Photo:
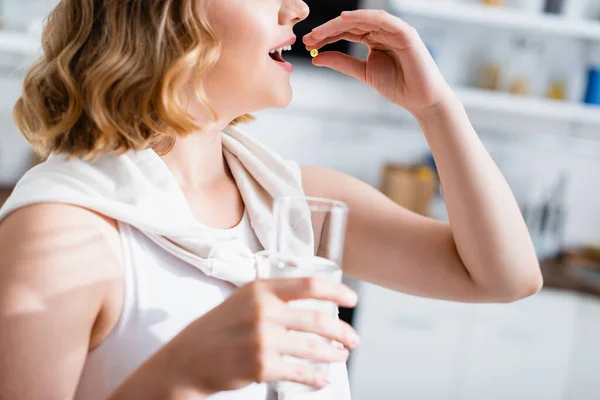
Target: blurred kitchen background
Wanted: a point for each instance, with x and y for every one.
(528, 72)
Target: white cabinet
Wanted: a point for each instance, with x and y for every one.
(544, 347)
(410, 347)
(520, 350)
(584, 374)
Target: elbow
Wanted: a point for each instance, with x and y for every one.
(537, 282)
(529, 287)
(525, 285)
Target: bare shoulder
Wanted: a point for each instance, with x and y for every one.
(58, 251)
(61, 290)
(45, 233)
(31, 219)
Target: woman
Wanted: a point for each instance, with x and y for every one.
(102, 295)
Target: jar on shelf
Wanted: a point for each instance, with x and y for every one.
(529, 6)
(490, 73)
(492, 2)
(564, 64)
(491, 60)
(523, 66)
(557, 89)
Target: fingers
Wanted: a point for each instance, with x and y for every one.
(320, 323)
(301, 373)
(342, 63)
(333, 28)
(376, 19)
(311, 347)
(349, 36)
(379, 25)
(274, 367)
(313, 288)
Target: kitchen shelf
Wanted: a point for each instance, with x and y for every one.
(18, 43)
(346, 99)
(529, 107)
(497, 17)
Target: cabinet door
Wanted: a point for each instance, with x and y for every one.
(409, 347)
(584, 376)
(520, 350)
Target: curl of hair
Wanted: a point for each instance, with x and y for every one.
(111, 74)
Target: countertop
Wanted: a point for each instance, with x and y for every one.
(569, 273)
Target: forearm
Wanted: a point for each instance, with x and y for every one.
(489, 232)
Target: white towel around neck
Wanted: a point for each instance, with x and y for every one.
(138, 188)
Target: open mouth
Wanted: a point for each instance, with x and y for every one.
(276, 54)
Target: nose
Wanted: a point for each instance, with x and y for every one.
(293, 11)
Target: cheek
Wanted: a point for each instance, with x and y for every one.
(245, 48)
(245, 67)
(247, 60)
(246, 30)
(243, 71)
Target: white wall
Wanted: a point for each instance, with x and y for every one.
(14, 152)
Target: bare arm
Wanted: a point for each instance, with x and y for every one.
(59, 267)
(484, 256)
(487, 226)
(61, 288)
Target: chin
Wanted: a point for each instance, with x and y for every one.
(283, 99)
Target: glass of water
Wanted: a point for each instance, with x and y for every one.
(308, 241)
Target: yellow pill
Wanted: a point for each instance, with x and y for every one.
(314, 53)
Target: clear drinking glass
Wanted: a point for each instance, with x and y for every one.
(308, 241)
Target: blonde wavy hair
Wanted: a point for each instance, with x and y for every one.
(111, 76)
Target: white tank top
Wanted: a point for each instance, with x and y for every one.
(163, 295)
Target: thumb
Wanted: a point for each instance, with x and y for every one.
(342, 63)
